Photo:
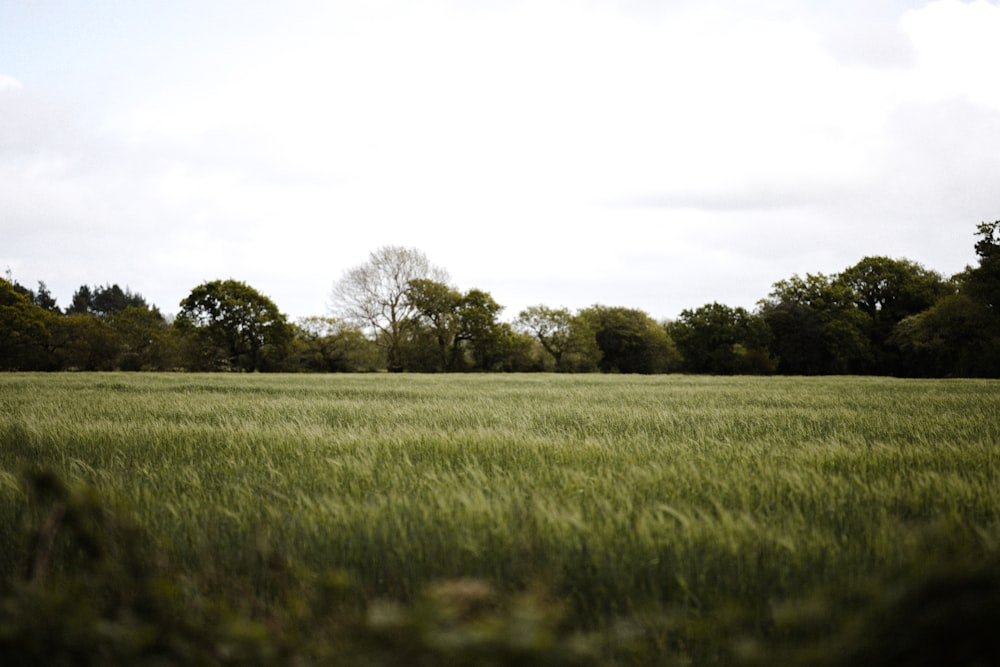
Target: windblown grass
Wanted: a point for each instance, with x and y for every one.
(627, 497)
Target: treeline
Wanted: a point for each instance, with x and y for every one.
(398, 312)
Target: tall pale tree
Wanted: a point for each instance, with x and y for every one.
(374, 295)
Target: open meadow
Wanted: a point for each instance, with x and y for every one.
(602, 519)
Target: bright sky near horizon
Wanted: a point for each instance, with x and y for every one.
(654, 155)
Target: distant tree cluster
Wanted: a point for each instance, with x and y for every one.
(104, 328)
(398, 312)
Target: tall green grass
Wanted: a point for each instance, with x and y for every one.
(625, 496)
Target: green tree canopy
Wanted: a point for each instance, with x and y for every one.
(887, 291)
(983, 282)
(233, 326)
(24, 331)
(105, 300)
(960, 334)
(565, 337)
(464, 328)
(436, 317)
(42, 298)
(957, 336)
(891, 289)
(817, 326)
(327, 345)
(83, 342)
(480, 329)
(722, 340)
(631, 341)
(147, 342)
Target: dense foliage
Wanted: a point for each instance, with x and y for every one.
(397, 311)
(234, 327)
(500, 520)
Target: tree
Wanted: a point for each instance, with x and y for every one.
(957, 336)
(565, 337)
(722, 340)
(960, 334)
(146, 340)
(323, 344)
(42, 298)
(81, 302)
(83, 342)
(478, 327)
(817, 327)
(887, 291)
(436, 317)
(34, 336)
(631, 341)
(464, 327)
(374, 296)
(234, 327)
(891, 289)
(523, 353)
(103, 301)
(983, 282)
(24, 331)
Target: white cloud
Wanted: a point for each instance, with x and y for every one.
(7, 81)
(647, 154)
(957, 49)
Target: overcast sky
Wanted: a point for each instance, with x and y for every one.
(655, 155)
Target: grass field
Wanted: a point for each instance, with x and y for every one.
(679, 519)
